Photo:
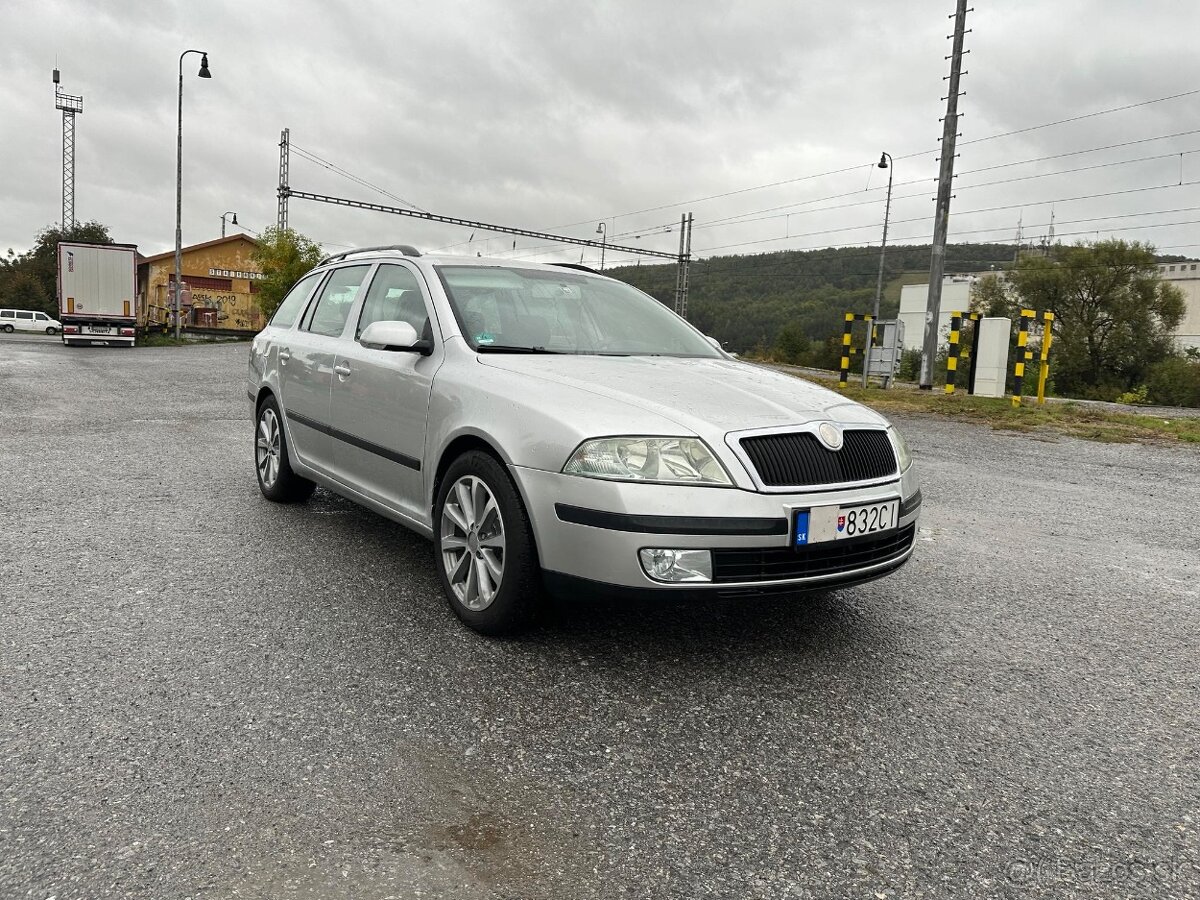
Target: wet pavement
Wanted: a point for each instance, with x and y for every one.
(203, 694)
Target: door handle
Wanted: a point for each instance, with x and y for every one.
(342, 369)
(284, 355)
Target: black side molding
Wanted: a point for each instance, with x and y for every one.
(670, 524)
(347, 438)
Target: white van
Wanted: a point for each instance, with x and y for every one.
(28, 320)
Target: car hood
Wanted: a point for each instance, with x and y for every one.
(708, 397)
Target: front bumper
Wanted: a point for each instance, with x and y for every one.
(589, 531)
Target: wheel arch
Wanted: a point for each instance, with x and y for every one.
(464, 443)
(263, 393)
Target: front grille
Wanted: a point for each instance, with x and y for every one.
(830, 558)
(798, 458)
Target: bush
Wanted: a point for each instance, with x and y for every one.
(1174, 382)
(1137, 397)
(791, 345)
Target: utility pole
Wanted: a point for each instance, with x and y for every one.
(283, 192)
(685, 254)
(941, 221)
(69, 105)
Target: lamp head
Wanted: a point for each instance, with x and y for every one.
(600, 228)
(883, 161)
(235, 221)
(204, 73)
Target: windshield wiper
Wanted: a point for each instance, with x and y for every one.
(506, 348)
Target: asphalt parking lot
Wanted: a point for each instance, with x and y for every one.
(206, 695)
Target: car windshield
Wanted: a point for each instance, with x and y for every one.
(502, 309)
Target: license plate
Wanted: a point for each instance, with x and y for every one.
(837, 523)
(98, 329)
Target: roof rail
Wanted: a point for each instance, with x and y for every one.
(578, 266)
(406, 249)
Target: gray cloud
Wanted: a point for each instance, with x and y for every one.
(542, 114)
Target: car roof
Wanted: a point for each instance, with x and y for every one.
(375, 254)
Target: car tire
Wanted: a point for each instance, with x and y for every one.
(485, 551)
(51, 330)
(272, 459)
(8, 329)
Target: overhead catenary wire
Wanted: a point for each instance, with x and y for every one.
(779, 211)
(989, 209)
(863, 165)
(333, 167)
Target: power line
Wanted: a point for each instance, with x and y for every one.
(1092, 115)
(741, 219)
(324, 163)
(990, 137)
(1023, 162)
(988, 209)
(1122, 162)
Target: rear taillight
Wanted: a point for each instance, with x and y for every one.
(70, 329)
(126, 332)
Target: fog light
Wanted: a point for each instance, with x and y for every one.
(677, 565)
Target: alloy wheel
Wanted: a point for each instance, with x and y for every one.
(472, 543)
(266, 449)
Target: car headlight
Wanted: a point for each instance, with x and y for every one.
(668, 460)
(903, 454)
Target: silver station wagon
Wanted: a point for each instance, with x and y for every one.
(548, 427)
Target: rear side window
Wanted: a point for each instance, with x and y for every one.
(7, 314)
(293, 302)
(332, 308)
(24, 315)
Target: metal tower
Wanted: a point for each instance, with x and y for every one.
(284, 162)
(69, 105)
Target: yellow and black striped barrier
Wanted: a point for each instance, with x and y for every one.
(958, 353)
(952, 351)
(1044, 369)
(1023, 354)
(848, 349)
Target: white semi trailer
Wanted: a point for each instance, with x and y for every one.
(97, 290)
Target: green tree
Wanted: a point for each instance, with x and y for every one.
(990, 296)
(1114, 316)
(22, 290)
(284, 256)
(29, 280)
(792, 343)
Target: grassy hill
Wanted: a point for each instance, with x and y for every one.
(745, 301)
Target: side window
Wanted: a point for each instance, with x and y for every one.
(286, 314)
(24, 315)
(41, 317)
(7, 314)
(394, 296)
(332, 307)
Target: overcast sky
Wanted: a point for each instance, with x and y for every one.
(556, 116)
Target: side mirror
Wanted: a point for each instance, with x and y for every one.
(714, 342)
(391, 335)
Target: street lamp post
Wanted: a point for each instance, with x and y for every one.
(223, 215)
(885, 162)
(602, 230)
(203, 73)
